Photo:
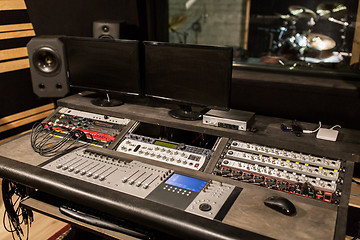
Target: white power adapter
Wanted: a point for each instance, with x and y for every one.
(327, 134)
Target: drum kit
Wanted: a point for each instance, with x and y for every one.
(307, 45)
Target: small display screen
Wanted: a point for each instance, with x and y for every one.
(188, 183)
(165, 144)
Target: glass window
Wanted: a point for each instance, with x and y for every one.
(292, 35)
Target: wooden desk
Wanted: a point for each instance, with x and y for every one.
(314, 220)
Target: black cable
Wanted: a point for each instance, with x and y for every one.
(14, 213)
(45, 141)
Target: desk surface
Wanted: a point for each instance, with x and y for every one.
(314, 220)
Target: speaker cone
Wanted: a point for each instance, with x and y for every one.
(46, 60)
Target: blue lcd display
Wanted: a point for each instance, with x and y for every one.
(185, 182)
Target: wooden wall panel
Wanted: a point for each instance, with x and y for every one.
(13, 53)
(12, 4)
(19, 107)
(355, 58)
(14, 65)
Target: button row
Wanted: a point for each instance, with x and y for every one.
(177, 190)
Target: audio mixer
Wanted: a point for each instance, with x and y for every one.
(201, 197)
(174, 153)
(298, 173)
(100, 130)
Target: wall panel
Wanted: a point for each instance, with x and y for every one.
(16, 96)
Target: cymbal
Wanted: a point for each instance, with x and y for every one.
(285, 16)
(331, 9)
(320, 41)
(176, 21)
(302, 12)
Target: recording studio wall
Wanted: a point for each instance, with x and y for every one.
(16, 91)
(298, 97)
(77, 17)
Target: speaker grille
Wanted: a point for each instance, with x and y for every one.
(46, 60)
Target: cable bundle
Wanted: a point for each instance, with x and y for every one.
(15, 214)
(47, 143)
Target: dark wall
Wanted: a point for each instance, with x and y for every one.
(16, 90)
(75, 18)
(15, 85)
(297, 97)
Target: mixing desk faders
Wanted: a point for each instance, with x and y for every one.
(202, 197)
(302, 174)
(165, 151)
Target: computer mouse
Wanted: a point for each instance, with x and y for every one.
(281, 205)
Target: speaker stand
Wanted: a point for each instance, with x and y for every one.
(106, 101)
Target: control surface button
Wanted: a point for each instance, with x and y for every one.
(205, 207)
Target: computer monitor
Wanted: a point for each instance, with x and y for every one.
(104, 66)
(190, 75)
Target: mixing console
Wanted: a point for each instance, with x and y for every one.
(302, 174)
(202, 197)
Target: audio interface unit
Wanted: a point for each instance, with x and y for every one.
(202, 197)
(232, 119)
(179, 154)
(298, 173)
(98, 130)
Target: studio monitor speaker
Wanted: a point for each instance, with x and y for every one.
(48, 66)
(106, 29)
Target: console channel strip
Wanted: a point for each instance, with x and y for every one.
(174, 153)
(302, 174)
(100, 130)
(202, 197)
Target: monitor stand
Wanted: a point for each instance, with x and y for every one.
(185, 113)
(106, 101)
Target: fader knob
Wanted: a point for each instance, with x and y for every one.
(182, 146)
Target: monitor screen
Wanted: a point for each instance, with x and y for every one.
(104, 65)
(195, 75)
(185, 182)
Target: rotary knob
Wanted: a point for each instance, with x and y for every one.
(205, 207)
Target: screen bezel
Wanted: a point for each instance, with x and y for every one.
(99, 89)
(181, 101)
